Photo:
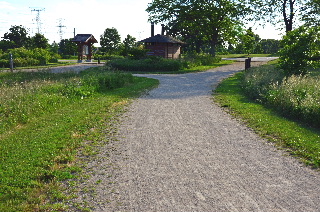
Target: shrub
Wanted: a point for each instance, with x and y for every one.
(23, 57)
(301, 50)
(151, 64)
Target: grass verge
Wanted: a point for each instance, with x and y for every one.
(300, 140)
(245, 55)
(38, 152)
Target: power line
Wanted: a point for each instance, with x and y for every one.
(38, 21)
(60, 28)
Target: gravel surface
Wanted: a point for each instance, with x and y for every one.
(178, 151)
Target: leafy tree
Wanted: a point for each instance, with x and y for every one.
(5, 45)
(18, 35)
(269, 46)
(54, 47)
(301, 50)
(271, 10)
(128, 43)
(66, 47)
(311, 16)
(110, 40)
(249, 41)
(39, 41)
(201, 21)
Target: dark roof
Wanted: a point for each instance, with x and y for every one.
(84, 38)
(161, 39)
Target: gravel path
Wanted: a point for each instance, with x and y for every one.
(178, 151)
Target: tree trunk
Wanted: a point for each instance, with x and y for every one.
(288, 18)
(213, 45)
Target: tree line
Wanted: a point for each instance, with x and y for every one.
(214, 23)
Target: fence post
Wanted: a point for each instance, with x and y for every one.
(247, 63)
(98, 60)
(11, 63)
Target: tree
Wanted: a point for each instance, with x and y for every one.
(271, 10)
(202, 21)
(18, 35)
(110, 40)
(270, 46)
(39, 41)
(301, 50)
(128, 43)
(249, 41)
(5, 45)
(66, 47)
(311, 16)
(54, 47)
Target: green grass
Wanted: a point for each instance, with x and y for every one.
(39, 151)
(245, 55)
(205, 68)
(300, 140)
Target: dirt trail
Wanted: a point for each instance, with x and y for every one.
(178, 151)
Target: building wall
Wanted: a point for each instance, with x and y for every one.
(165, 50)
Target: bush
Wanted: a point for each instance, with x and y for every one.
(151, 64)
(23, 57)
(301, 50)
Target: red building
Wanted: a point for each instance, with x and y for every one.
(163, 46)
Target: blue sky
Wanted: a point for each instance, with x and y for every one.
(87, 17)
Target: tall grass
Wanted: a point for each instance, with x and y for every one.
(24, 96)
(295, 96)
(44, 120)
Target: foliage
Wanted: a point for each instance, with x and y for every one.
(6, 45)
(202, 21)
(151, 64)
(311, 16)
(39, 41)
(110, 40)
(23, 57)
(128, 44)
(66, 47)
(44, 117)
(248, 42)
(18, 35)
(295, 96)
(159, 64)
(269, 46)
(301, 50)
(271, 10)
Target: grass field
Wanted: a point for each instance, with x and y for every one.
(46, 119)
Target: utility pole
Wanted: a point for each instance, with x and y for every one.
(60, 28)
(38, 21)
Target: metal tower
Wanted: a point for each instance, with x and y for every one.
(38, 18)
(60, 28)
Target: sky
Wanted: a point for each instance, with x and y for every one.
(88, 17)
